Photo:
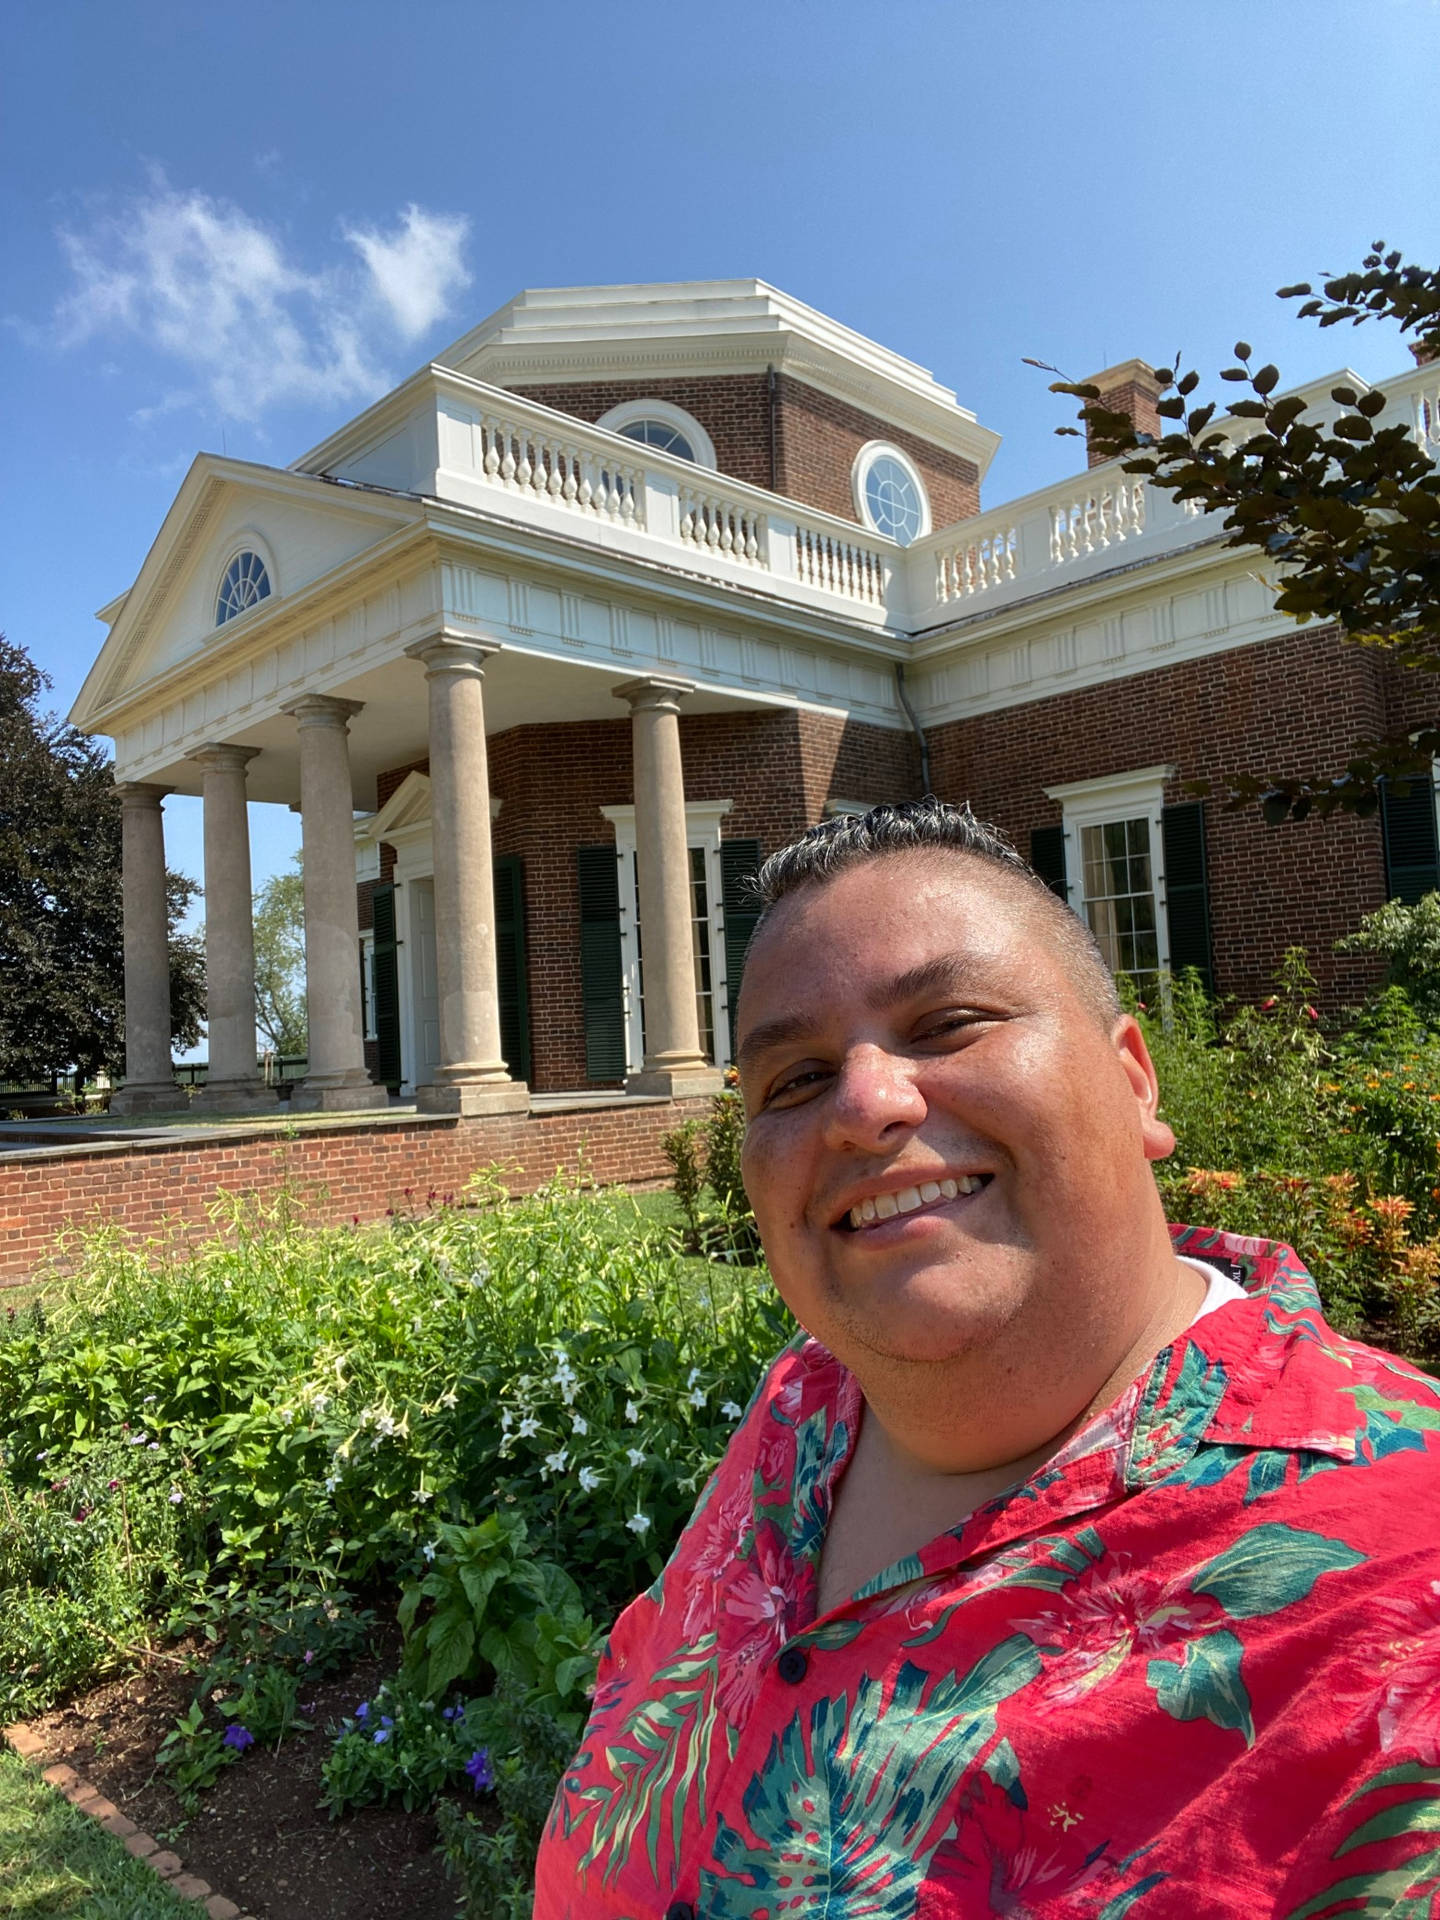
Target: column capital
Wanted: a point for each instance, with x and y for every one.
(220, 757)
(138, 793)
(655, 693)
(322, 710)
(452, 653)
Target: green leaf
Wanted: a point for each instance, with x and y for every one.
(1406, 1816)
(1205, 1684)
(450, 1643)
(1273, 1566)
(1266, 380)
(1242, 349)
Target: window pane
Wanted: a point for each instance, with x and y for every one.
(1120, 905)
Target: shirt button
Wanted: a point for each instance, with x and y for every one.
(679, 1910)
(793, 1664)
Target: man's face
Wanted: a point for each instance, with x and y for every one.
(946, 1147)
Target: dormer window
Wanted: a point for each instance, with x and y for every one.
(245, 585)
(889, 493)
(655, 423)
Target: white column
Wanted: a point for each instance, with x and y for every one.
(233, 1084)
(336, 1080)
(472, 1077)
(149, 1075)
(674, 1064)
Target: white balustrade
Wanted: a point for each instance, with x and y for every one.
(985, 561)
(838, 565)
(1426, 403)
(712, 523)
(1096, 520)
(526, 460)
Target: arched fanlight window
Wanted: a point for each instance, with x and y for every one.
(659, 433)
(246, 583)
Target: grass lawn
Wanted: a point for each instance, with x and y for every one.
(54, 1860)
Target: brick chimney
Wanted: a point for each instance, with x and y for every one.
(1422, 354)
(1132, 389)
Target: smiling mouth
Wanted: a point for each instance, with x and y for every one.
(880, 1207)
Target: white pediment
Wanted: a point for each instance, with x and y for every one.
(303, 529)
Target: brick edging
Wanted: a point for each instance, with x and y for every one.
(141, 1846)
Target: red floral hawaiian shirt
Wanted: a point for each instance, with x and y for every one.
(1190, 1669)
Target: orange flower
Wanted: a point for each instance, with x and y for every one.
(1392, 1209)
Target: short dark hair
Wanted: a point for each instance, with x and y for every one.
(932, 826)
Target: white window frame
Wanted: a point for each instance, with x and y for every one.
(629, 411)
(872, 451)
(1119, 796)
(702, 829)
(245, 540)
(367, 971)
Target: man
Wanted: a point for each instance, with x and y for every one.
(1071, 1566)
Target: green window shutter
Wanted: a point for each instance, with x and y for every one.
(740, 909)
(1412, 859)
(512, 965)
(602, 991)
(1187, 891)
(1047, 857)
(387, 987)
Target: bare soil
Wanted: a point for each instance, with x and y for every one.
(260, 1836)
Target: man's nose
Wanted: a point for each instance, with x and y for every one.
(874, 1094)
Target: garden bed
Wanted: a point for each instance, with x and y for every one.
(260, 1836)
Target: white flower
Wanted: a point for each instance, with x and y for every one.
(148, 1400)
(332, 1481)
(694, 1376)
(697, 1398)
(428, 1549)
(287, 1414)
(176, 1497)
(451, 1399)
(528, 1427)
(632, 1413)
(506, 1420)
(385, 1425)
(578, 1424)
(589, 1479)
(639, 1523)
(731, 1411)
(417, 1325)
(556, 1462)
(479, 1273)
(421, 1495)
(136, 1440)
(635, 1456)
(320, 1403)
(154, 1447)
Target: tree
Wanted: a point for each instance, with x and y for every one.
(280, 962)
(61, 947)
(1348, 512)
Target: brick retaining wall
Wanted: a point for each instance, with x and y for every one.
(338, 1170)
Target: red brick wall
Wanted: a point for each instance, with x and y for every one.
(777, 767)
(1293, 704)
(351, 1170)
(816, 437)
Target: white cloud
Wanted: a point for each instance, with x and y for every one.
(419, 269)
(209, 286)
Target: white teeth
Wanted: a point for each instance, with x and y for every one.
(885, 1206)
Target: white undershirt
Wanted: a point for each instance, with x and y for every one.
(1220, 1289)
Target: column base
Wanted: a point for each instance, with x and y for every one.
(154, 1096)
(676, 1083)
(234, 1096)
(473, 1099)
(360, 1096)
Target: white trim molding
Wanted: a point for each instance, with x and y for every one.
(631, 411)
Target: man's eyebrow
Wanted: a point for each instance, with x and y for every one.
(943, 975)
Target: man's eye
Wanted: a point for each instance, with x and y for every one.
(792, 1085)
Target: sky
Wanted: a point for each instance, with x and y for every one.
(229, 229)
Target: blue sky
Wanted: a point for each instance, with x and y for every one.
(230, 228)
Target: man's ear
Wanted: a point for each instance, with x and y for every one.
(1129, 1042)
